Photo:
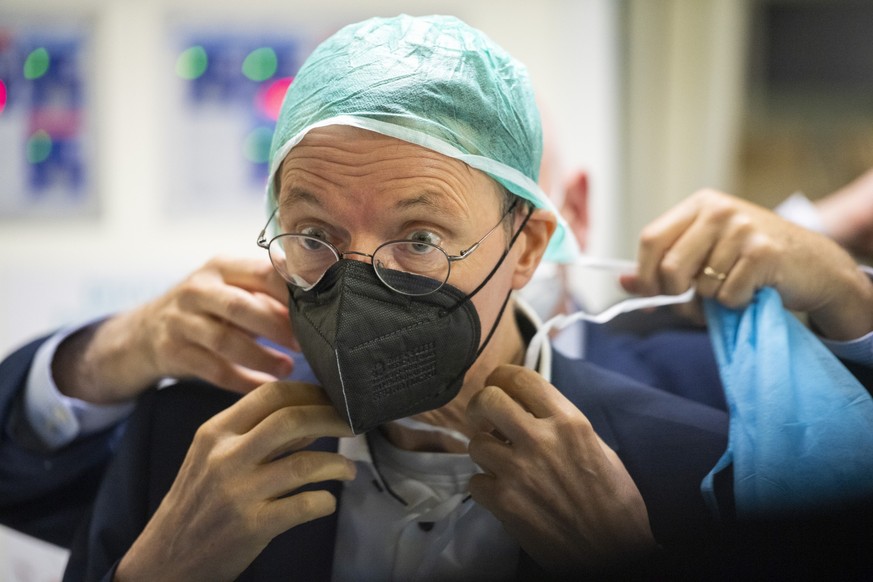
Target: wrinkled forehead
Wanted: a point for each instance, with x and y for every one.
(343, 158)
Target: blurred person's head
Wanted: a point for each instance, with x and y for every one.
(553, 289)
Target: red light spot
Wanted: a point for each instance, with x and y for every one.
(270, 96)
(2, 95)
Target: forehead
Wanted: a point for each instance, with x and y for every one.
(356, 163)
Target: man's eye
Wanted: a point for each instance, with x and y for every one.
(423, 236)
(313, 233)
(312, 244)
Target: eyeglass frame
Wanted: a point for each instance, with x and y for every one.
(340, 255)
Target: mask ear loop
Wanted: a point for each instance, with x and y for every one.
(488, 278)
(482, 284)
(562, 321)
(496, 267)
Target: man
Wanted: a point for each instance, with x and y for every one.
(394, 215)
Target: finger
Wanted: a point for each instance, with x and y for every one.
(265, 400)
(655, 240)
(193, 360)
(489, 452)
(740, 285)
(493, 406)
(284, 329)
(685, 259)
(258, 315)
(529, 389)
(283, 427)
(287, 474)
(631, 283)
(252, 274)
(282, 514)
(236, 346)
(720, 262)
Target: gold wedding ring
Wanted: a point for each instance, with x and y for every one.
(710, 272)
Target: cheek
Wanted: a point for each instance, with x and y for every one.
(491, 297)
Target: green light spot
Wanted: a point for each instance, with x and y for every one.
(256, 147)
(36, 64)
(261, 64)
(192, 63)
(39, 147)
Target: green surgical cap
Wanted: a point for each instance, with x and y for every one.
(432, 81)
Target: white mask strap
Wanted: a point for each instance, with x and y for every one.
(631, 304)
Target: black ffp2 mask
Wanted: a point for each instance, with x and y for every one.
(381, 355)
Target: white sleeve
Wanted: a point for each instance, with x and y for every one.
(859, 351)
(59, 419)
(801, 211)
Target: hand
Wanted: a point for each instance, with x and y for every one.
(229, 499)
(559, 490)
(206, 327)
(847, 215)
(743, 248)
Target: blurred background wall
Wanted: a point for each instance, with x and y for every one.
(166, 180)
(132, 132)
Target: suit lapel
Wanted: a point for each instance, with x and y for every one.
(566, 376)
(304, 552)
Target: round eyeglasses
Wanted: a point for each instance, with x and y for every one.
(409, 267)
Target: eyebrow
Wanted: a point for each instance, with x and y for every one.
(427, 200)
(298, 196)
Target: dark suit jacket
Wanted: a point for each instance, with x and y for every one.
(44, 494)
(48, 494)
(666, 442)
(676, 359)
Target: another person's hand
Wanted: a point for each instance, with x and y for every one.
(729, 248)
(558, 489)
(230, 497)
(206, 327)
(847, 215)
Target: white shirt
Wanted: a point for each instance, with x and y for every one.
(413, 519)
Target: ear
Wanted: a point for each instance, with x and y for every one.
(532, 243)
(575, 208)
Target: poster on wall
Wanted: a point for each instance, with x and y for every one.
(46, 140)
(228, 89)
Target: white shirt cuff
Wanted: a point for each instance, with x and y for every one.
(859, 351)
(59, 419)
(801, 211)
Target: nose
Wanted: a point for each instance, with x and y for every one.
(359, 241)
(358, 256)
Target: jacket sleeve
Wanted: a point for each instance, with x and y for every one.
(44, 494)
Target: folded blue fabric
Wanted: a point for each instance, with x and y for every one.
(801, 426)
